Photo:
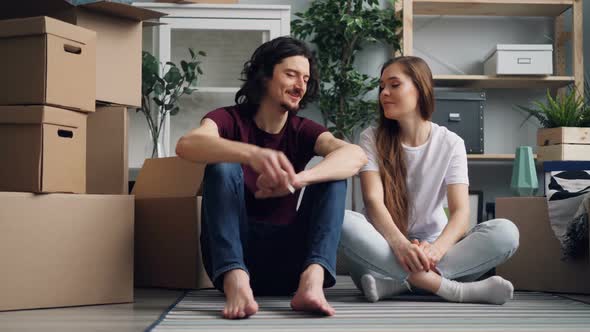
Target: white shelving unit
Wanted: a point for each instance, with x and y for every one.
(544, 8)
(228, 34)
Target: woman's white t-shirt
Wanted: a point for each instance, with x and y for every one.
(441, 161)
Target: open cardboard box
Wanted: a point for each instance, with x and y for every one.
(537, 264)
(168, 224)
(43, 149)
(61, 250)
(118, 46)
(47, 61)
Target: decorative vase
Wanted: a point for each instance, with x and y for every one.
(152, 150)
(524, 174)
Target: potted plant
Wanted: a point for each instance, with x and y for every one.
(340, 29)
(161, 88)
(565, 122)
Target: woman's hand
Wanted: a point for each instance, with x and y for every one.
(433, 253)
(411, 256)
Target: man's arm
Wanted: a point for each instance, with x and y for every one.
(341, 160)
(204, 145)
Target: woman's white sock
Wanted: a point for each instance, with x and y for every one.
(493, 290)
(380, 288)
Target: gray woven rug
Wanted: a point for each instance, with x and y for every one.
(528, 311)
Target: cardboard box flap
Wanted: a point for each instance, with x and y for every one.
(123, 10)
(168, 177)
(44, 25)
(27, 8)
(38, 114)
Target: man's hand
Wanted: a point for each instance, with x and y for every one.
(274, 166)
(266, 190)
(433, 253)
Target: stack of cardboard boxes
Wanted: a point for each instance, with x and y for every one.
(66, 219)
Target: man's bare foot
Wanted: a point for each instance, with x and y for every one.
(239, 300)
(310, 293)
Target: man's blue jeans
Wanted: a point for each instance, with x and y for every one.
(273, 255)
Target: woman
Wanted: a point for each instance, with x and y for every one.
(408, 241)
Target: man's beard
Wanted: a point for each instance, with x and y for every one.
(289, 108)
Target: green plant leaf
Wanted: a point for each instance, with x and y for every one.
(158, 101)
(164, 92)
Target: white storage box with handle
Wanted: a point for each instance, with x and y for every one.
(518, 59)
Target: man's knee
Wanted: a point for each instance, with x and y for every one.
(335, 188)
(222, 171)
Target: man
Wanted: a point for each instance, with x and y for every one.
(253, 239)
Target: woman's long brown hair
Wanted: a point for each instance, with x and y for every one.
(392, 163)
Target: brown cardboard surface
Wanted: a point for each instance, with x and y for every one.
(537, 264)
(43, 152)
(169, 177)
(63, 250)
(118, 46)
(118, 56)
(107, 166)
(46, 61)
(168, 252)
(168, 218)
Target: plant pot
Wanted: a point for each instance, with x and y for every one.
(563, 143)
(563, 135)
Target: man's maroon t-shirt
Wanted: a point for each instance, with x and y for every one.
(296, 140)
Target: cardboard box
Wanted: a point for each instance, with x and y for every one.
(118, 46)
(61, 250)
(168, 225)
(43, 149)
(520, 59)
(47, 61)
(537, 264)
(107, 169)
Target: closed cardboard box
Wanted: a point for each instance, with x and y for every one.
(118, 47)
(107, 166)
(168, 224)
(520, 59)
(537, 264)
(61, 250)
(47, 61)
(43, 149)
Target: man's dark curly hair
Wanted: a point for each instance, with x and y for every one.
(260, 68)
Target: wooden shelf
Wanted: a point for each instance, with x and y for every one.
(492, 7)
(492, 157)
(500, 82)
